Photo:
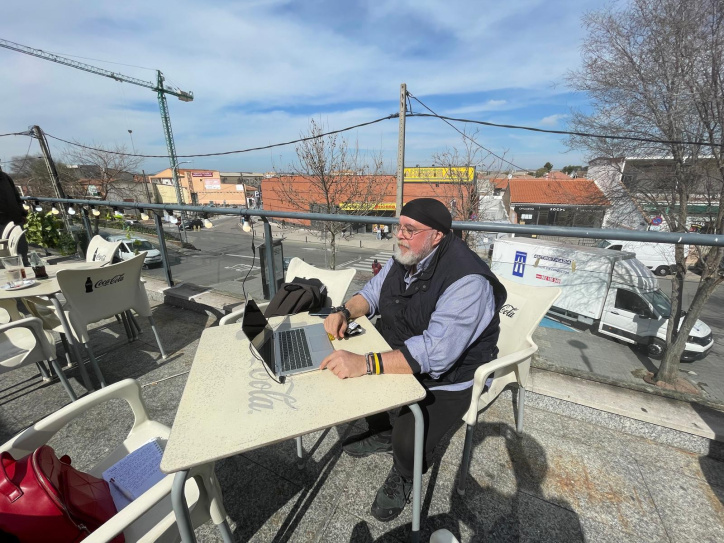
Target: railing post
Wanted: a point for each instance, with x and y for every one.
(86, 223)
(269, 248)
(162, 248)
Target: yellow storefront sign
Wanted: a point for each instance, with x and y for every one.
(440, 175)
(355, 206)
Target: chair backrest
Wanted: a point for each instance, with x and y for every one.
(336, 281)
(14, 238)
(101, 250)
(99, 293)
(9, 311)
(524, 308)
(6, 231)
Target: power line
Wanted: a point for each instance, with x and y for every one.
(463, 134)
(569, 133)
(308, 138)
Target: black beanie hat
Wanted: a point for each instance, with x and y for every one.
(429, 212)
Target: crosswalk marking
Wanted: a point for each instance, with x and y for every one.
(365, 265)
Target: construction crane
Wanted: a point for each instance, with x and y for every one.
(161, 89)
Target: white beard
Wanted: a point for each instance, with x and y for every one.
(411, 258)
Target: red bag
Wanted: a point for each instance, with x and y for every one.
(43, 498)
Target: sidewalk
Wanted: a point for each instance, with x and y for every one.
(576, 474)
(366, 240)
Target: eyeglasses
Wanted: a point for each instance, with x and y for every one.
(407, 232)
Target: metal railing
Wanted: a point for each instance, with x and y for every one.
(689, 238)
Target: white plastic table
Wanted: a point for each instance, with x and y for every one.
(228, 384)
(49, 287)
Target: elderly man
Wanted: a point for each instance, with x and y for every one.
(438, 304)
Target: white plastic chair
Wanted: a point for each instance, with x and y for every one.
(16, 235)
(24, 342)
(101, 250)
(336, 281)
(150, 517)
(6, 231)
(524, 308)
(108, 296)
(9, 311)
(443, 536)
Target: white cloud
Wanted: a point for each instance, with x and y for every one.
(552, 120)
(490, 105)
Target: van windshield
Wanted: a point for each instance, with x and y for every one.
(603, 244)
(660, 301)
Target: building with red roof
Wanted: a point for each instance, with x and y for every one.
(559, 202)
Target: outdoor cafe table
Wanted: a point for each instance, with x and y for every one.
(230, 406)
(49, 287)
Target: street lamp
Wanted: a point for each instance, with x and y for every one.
(130, 133)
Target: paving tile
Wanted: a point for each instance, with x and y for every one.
(344, 526)
(701, 519)
(266, 507)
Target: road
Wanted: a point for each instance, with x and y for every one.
(225, 257)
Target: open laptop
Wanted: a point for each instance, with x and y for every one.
(289, 349)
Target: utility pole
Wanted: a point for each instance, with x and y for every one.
(54, 179)
(401, 149)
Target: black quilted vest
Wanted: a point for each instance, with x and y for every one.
(406, 312)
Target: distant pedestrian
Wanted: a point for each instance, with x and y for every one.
(377, 230)
(376, 267)
(385, 232)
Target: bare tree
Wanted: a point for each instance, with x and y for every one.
(32, 173)
(653, 70)
(462, 190)
(109, 169)
(332, 177)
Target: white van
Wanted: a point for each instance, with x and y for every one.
(610, 292)
(658, 257)
(130, 247)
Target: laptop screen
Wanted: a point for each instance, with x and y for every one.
(260, 334)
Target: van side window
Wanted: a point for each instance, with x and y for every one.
(615, 247)
(630, 301)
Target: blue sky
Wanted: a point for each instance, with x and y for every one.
(260, 69)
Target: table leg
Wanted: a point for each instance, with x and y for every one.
(417, 472)
(180, 508)
(73, 344)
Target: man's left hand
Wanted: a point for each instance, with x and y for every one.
(345, 364)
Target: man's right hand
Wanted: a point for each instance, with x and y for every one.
(336, 325)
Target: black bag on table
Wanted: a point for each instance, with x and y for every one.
(297, 296)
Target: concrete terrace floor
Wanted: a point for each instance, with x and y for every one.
(576, 474)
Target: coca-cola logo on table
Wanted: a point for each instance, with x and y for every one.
(508, 310)
(102, 282)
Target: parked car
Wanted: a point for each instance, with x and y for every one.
(132, 246)
(190, 224)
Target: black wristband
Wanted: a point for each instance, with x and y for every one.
(344, 311)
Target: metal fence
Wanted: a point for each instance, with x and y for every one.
(583, 235)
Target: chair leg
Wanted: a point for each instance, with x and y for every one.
(43, 371)
(66, 348)
(63, 379)
(158, 339)
(465, 464)
(300, 453)
(521, 407)
(134, 322)
(94, 363)
(129, 335)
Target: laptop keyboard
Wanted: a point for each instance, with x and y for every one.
(294, 349)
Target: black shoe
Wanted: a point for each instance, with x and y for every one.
(368, 443)
(391, 497)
